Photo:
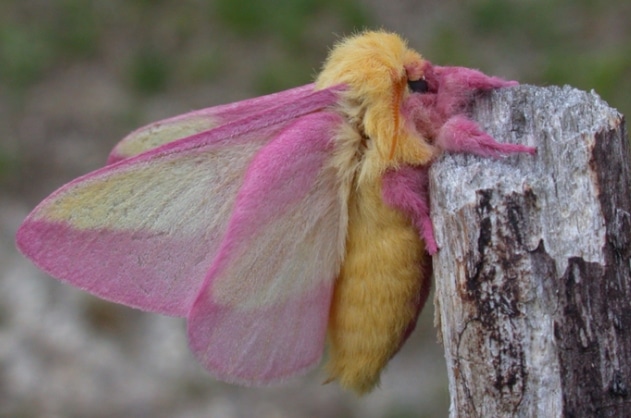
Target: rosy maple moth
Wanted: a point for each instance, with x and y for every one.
(277, 223)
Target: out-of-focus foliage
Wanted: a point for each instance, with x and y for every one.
(585, 43)
(287, 20)
(35, 38)
(293, 25)
(159, 45)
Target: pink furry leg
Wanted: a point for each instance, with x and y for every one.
(460, 134)
(406, 189)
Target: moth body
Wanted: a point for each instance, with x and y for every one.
(377, 293)
(280, 222)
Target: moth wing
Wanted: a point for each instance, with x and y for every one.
(144, 231)
(178, 127)
(261, 315)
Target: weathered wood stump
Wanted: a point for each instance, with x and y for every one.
(533, 276)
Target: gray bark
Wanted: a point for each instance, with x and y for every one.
(533, 278)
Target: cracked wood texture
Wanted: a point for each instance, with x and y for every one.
(533, 287)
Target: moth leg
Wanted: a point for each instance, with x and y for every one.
(407, 189)
(460, 134)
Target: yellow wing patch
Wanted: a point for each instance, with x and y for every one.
(163, 132)
(157, 195)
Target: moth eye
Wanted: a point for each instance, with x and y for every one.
(418, 86)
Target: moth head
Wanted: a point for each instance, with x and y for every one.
(379, 72)
(373, 66)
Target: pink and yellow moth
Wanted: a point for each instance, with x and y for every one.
(277, 223)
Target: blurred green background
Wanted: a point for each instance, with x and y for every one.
(76, 76)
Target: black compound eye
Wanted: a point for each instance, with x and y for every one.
(418, 86)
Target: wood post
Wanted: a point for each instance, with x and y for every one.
(533, 275)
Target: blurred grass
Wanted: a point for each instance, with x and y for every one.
(25, 55)
(286, 20)
(149, 71)
(31, 45)
(558, 41)
(158, 34)
(8, 164)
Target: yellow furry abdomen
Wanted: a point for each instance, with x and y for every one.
(376, 294)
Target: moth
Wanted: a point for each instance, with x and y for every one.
(277, 223)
